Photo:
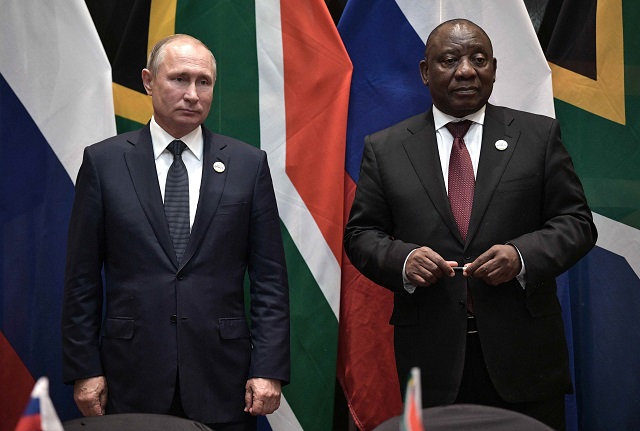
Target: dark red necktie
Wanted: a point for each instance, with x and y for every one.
(462, 182)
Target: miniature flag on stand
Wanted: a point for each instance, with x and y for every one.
(40, 415)
(412, 417)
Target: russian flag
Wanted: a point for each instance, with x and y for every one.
(55, 99)
(40, 415)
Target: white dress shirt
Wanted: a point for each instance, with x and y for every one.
(191, 156)
(473, 142)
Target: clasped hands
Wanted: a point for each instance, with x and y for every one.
(497, 265)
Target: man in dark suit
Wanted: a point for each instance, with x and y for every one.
(491, 333)
(174, 337)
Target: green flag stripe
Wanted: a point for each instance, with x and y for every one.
(314, 331)
(606, 158)
(228, 29)
(126, 125)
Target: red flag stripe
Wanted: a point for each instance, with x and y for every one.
(16, 383)
(316, 103)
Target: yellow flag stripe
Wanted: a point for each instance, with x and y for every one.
(162, 21)
(130, 104)
(605, 95)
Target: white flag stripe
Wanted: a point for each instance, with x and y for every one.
(284, 419)
(294, 213)
(620, 239)
(49, 420)
(55, 63)
(523, 77)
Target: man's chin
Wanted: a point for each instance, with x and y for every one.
(190, 118)
(466, 107)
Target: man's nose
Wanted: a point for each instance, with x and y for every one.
(191, 92)
(465, 69)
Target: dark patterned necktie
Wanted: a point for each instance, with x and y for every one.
(176, 199)
(462, 182)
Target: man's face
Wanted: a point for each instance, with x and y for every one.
(182, 89)
(459, 69)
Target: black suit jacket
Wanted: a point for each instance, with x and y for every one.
(160, 317)
(527, 195)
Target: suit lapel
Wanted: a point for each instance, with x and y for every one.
(498, 125)
(142, 169)
(422, 150)
(211, 188)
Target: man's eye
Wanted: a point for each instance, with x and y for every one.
(449, 61)
(480, 60)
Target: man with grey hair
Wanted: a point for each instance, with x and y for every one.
(174, 216)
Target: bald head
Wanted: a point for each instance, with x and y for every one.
(158, 52)
(452, 24)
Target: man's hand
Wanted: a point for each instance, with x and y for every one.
(90, 395)
(262, 396)
(425, 267)
(497, 265)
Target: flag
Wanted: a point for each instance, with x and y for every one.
(39, 415)
(594, 54)
(412, 416)
(385, 40)
(283, 85)
(304, 80)
(55, 98)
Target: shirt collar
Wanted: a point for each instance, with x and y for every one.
(160, 139)
(440, 119)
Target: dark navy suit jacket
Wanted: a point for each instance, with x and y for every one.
(159, 316)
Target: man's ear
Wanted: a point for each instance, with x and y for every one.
(147, 81)
(423, 72)
(495, 68)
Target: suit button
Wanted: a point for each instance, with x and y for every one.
(173, 318)
(180, 276)
(461, 304)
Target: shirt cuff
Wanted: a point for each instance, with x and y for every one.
(410, 288)
(521, 276)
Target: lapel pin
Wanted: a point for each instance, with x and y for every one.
(501, 145)
(219, 167)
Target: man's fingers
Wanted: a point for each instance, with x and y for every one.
(260, 406)
(425, 267)
(262, 396)
(248, 399)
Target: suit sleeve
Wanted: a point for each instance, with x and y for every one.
(82, 301)
(368, 244)
(568, 231)
(269, 289)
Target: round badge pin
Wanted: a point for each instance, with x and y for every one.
(218, 167)
(501, 145)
